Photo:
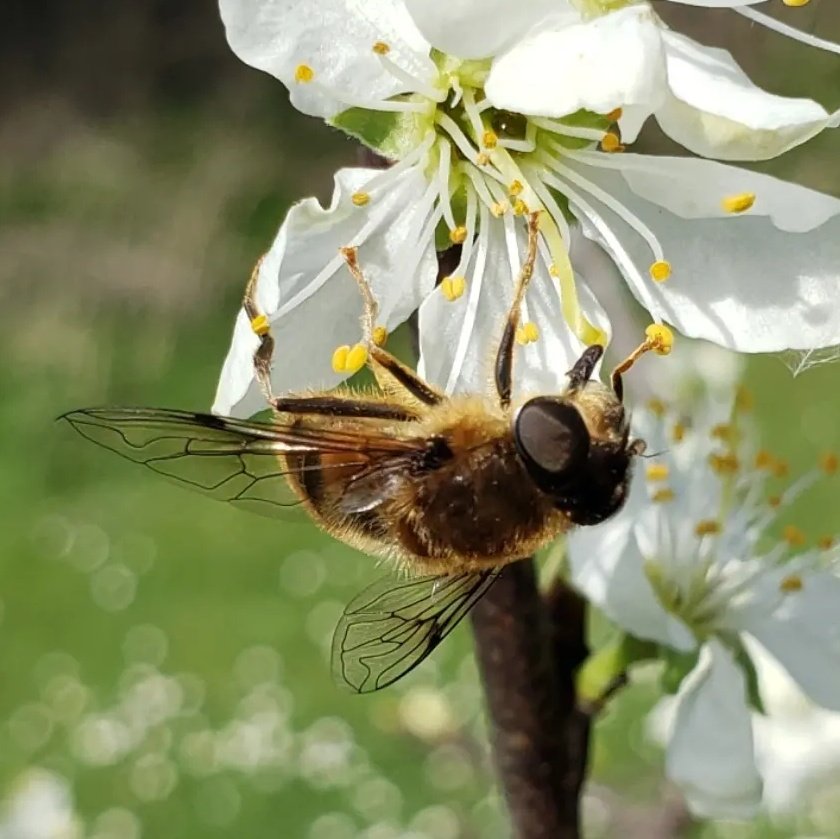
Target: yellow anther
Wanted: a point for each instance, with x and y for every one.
(611, 142)
(260, 325)
(346, 359)
(744, 400)
(489, 140)
(825, 543)
(360, 198)
(553, 270)
(453, 287)
(793, 536)
(380, 336)
(829, 463)
(520, 208)
(482, 159)
(614, 115)
(764, 460)
(738, 203)
(660, 337)
(458, 235)
(657, 472)
(356, 358)
(499, 208)
(304, 74)
(515, 188)
(724, 464)
(662, 496)
(678, 432)
(381, 48)
(775, 501)
(527, 333)
(796, 3)
(660, 270)
(657, 407)
(339, 358)
(791, 584)
(781, 468)
(724, 431)
(707, 527)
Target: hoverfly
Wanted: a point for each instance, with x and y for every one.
(451, 488)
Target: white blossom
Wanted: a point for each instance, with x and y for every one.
(487, 122)
(690, 564)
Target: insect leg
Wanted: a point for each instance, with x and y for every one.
(262, 329)
(387, 369)
(658, 340)
(342, 406)
(504, 355)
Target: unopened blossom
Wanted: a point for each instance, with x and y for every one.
(695, 564)
(485, 123)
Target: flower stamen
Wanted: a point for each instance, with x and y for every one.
(453, 287)
(738, 203)
(657, 472)
(347, 359)
(304, 74)
(527, 333)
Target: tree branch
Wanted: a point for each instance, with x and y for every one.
(528, 650)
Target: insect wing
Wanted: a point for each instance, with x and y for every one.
(393, 625)
(228, 459)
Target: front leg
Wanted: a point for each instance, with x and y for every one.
(504, 355)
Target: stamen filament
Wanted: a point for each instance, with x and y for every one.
(458, 137)
(578, 132)
(479, 184)
(473, 115)
(617, 249)
(469, 240)
(556, 233)
(444, 150)
(473, 297)
(517, 145)
(609, 201)
(412, 82)
(413, 157)
(788, 30)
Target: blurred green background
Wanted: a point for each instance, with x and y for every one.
(163, 659)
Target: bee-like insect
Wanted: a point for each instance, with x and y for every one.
(452, 488)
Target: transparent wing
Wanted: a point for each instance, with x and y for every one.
(393, 625)
(232, 460)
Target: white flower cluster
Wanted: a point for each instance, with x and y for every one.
(690, 564)
(491, 110)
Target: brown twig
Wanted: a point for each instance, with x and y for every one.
(528, 650)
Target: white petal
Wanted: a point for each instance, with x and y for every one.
(608, 568)
(458, 339)
(739, 281)
(468, 29)
(611, 61)
(313, 310)
(335, 40)
(803, 634)
(540, 367)
(716, 111)
(710, 755)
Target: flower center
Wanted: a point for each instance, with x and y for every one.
(482, 162)
(596, 8)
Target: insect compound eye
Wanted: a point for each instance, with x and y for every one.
(552, 439)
